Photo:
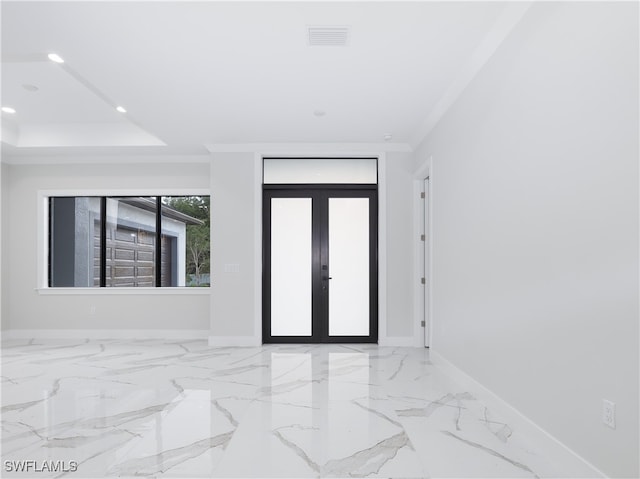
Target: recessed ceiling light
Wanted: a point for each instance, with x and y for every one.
(319, 113)
(54, 57)
(8, 109)
(121, 109)
(29, 87)
(388, 137)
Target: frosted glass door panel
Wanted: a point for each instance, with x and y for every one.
(349, 266)
(291, 266)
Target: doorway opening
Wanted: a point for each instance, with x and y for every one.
(320, 262)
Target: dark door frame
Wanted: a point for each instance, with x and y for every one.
(320, 194)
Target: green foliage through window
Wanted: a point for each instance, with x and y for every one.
(198, 253)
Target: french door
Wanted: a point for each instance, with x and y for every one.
(320, 249)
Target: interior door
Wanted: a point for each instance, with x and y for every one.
(426, 265)
(320, 264)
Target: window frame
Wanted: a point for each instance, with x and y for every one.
(43, 244)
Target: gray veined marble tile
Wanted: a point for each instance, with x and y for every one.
(80, 440)
(156, 359)
(113, 356)
(285, 403)
(368, 461)
(500, 429)
(287, 387)
(351, 347)
(21, 344)
(64, 358)
(246, 358)
(433, 406)
(347, 359)
(362, 463)
(158, 408)
(132, 369)
(379, 414)
(115, 420)
(177, 386)
(491, 452)
(292, 369)
(20, 406)
(28, 404)
(184, 344)
(345, 370)
(397, 371)
(239, 370)
(50, 348)
(9, 431)
(101, 381)
(213, 383)
(297, 450)
(166, 460)
(226, 412)
(195, 356)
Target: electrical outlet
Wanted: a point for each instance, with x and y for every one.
(92, 310)
(609, 413)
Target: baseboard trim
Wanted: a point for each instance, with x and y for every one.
(556, 451)
(105, 334)
(237, 341)
(400, 342)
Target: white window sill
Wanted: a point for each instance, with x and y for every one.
(125, 291)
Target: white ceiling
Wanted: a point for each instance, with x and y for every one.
(192, 74)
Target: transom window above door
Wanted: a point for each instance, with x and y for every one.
(334, 171)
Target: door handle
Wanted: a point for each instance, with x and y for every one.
(326, 278)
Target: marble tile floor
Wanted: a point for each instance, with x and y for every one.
(154, 408)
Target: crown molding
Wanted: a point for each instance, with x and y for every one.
(93, 155)
(510, 17)
(309, 148)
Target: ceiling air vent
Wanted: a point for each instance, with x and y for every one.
(328, 36)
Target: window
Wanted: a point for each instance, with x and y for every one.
(129, 241)
(320, 170)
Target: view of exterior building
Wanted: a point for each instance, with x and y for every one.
(75, 243)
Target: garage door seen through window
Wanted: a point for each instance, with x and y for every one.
(129, 241)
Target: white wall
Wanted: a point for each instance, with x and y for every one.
(400, 242)
(233, 231)
(235, 302)
(236, 223)
(3, 272)
(25, 308)
(535, 226)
